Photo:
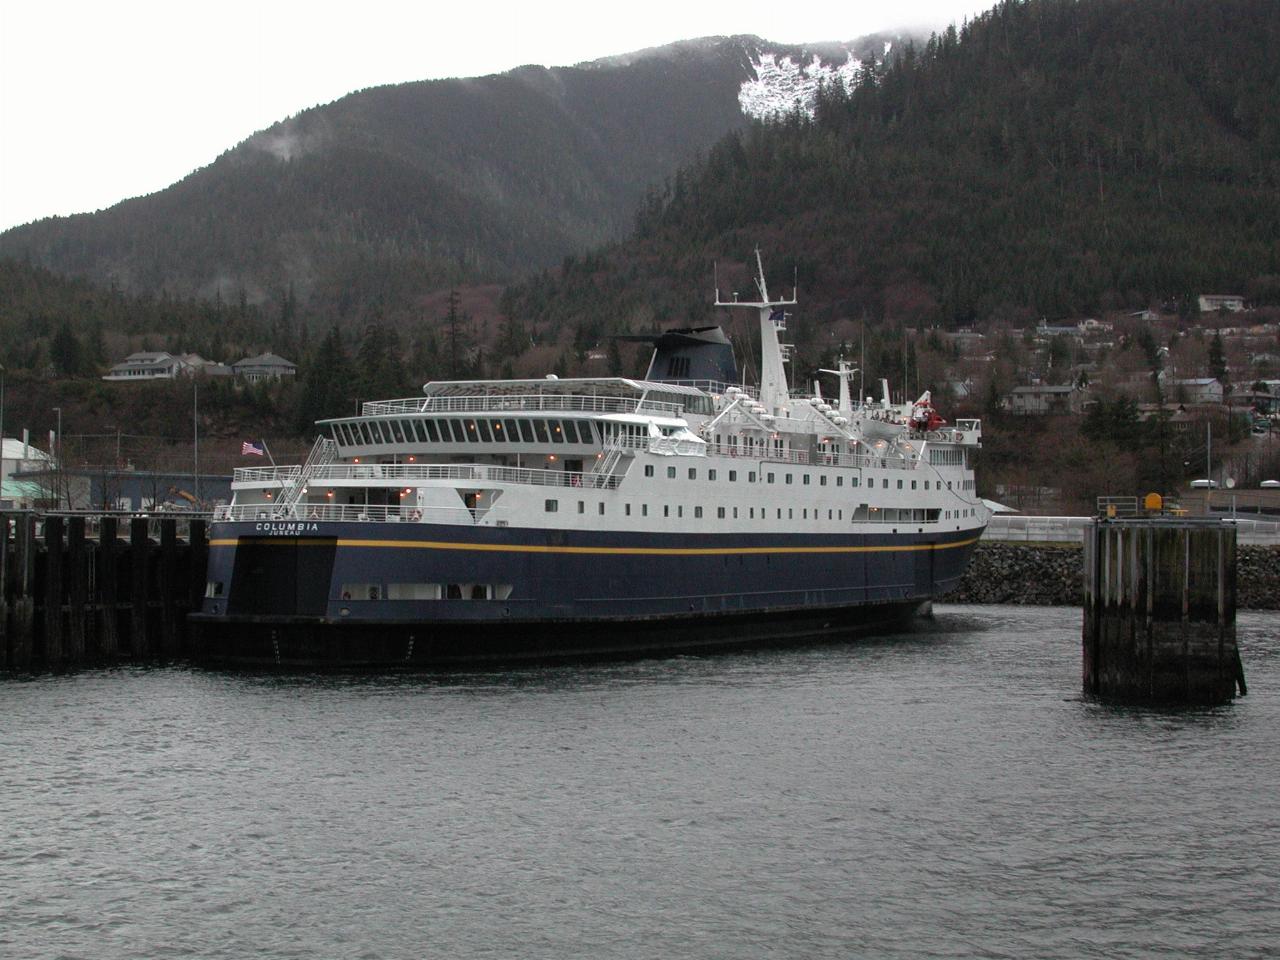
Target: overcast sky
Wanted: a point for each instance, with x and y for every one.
(101, 100)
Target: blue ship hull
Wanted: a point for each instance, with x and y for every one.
(342, 594)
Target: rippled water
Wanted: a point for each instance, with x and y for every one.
(944, 793)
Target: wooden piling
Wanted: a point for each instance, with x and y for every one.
(77, 589)
(1159, 616)
(139, 560)
(6, 655)
(108, 631)
(54, 653)
(23, 615)
(169, 598)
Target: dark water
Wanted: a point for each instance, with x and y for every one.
(940, 794)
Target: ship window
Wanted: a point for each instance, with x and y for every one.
(931, 516)
(666, 510)
(648, 469)
(899, 484)
(735, 513)
(788, 478)
(751, 477)
(769, 478)
(387, 435)
(361, 591)
(472, 434)
(453, 591)
(751, 513)
(479, 591)
(853, 481)
(791, 514)
(644, 509)
(711, 474)
(582, 506)
(601, 506)
(429, 429)
(459, 431)
(557, 431)
(693, 473)
(806, 479)
(805, 516)
(697, 513)
(839, 481)
(720, 513)
(551, 506)
(213, 588)
(822, 480)
(486, 434)
(627, 509)
(733, 476)
(401, 435)
(671, 473)
(540, 431)
(512, 431)
(413, 591)
(913, 484)
(366, 434)
(586, 431)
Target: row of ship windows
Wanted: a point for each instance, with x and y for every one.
(805, 480)
(367, 433)
(425, 591)
(404, 591)
(862, 514)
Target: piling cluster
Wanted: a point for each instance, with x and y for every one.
(78, 589)
(1159, 612)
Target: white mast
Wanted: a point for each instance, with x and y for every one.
(774, 389)
(845, 373)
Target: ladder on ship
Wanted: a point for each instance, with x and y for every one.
(603, 470)
(323, 453)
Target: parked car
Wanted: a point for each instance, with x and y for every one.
(1270, 484)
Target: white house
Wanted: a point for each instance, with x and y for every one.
(1042, 398)
(1213, 302)
(19, 456)
(1196, 390)
(147, 365)
(266, 366)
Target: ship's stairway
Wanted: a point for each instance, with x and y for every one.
(323, 452)
(604, 467)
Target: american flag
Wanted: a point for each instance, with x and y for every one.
(251, 449)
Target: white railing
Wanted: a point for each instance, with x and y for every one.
(472, 472)
(1071, 529)
(1037, 529)
(351, 512)
(558, 402)
(802, 458)
(266, 474)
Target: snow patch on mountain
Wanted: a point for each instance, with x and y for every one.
(783, 85)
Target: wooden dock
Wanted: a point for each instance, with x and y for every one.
(86, 589)
(1160, 611)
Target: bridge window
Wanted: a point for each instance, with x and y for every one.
(551, 506)
(671, 473)
(540, 431)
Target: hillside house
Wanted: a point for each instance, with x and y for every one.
(1195, 390)
(1042, 399)
(266, 366)
(1213, 302)
(147, 365)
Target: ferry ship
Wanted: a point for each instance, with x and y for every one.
(511, 519)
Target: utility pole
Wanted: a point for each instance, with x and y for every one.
(57, 451)
(195, 433)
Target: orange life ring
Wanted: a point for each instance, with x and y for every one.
(415, 515)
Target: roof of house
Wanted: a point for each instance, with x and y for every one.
(264, 360)
(1046, 388)
(12, 450)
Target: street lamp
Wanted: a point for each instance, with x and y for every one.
(58, 455)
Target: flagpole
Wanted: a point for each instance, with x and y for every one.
(268, 449)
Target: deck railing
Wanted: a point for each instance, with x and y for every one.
(557, 402)
(353, 513)
(473, 472)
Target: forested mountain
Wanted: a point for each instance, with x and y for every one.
(1053, 157)
(368, 201)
